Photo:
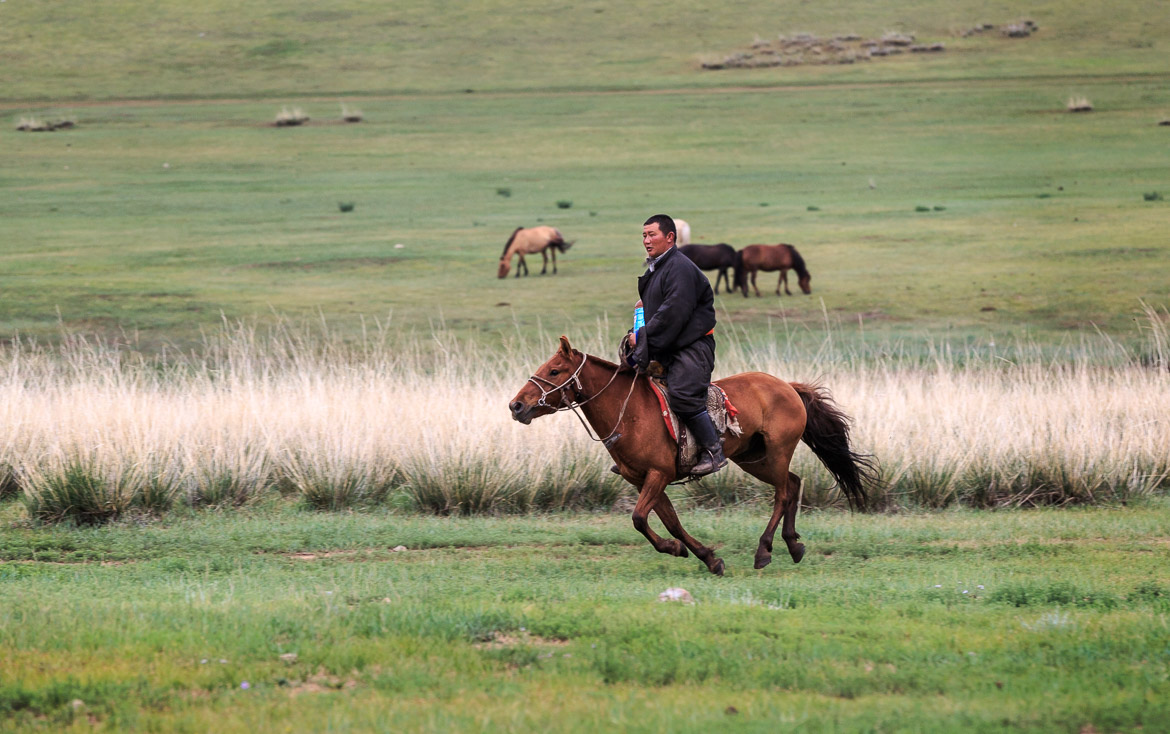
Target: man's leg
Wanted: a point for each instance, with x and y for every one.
(711, 458)
(689, 376)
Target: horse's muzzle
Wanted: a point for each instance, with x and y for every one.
(520, 412)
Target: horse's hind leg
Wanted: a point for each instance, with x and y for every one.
(666, 513)
(754, 286)
(786, 505)
(652, 492)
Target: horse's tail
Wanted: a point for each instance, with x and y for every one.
(559, 241)
(509, 242)
(798, 263)
(826, 432)
(740, 276)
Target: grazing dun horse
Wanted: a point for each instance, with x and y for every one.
(529, 241)
(774, 416)
(770, 258)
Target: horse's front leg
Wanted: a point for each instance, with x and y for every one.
(665, 511)
(653, 490)
(784, 280)
(553, 252)
(544, 257)
(520, 265)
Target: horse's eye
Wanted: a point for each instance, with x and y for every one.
(554, 373)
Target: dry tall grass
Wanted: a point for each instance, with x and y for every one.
(94, 431)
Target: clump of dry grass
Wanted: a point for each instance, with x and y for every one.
(1079, 104)
(290, 118)
(36, 125)
(95, 432)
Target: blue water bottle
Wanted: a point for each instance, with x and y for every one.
(639, 318)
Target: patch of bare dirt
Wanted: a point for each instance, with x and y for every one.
(503, 639)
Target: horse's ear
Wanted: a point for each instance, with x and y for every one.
(565, 348)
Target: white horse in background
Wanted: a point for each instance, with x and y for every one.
(682, 232)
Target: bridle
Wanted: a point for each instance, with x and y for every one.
(580, 399)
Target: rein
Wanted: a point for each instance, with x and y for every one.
(578, 399)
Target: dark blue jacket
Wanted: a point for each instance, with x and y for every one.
(679, 308)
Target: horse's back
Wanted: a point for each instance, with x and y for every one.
(765, 402)
(767, 257)
(710, 256)
(531, 240)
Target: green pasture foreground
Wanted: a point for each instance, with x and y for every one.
(271, 619)
(936, 197)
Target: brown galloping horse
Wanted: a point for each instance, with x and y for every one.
(774, 416)
(529, 241)
(770, 258)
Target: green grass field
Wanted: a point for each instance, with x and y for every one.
(157, 217)
(945, 203)
(1050, 620)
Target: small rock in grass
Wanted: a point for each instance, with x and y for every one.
(675, 594)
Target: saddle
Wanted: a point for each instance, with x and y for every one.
(719, 407)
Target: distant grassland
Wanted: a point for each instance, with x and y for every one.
(152, 220)
(359, 47)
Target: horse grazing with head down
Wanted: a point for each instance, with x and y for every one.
(773, 415)
(529, 241)
(770, 258)
(719, 257)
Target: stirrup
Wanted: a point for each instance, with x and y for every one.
(711, 463)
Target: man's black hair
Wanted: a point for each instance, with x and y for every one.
(665, 224)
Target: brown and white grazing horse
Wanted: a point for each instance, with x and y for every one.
(770, 258)
(529, 241)
(773, 415)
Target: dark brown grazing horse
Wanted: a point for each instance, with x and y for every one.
(774, 416)
(719, 257)
(770, 258)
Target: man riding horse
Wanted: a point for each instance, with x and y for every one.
(679, 334)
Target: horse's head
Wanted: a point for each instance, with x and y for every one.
(505, 266)
(553, 384)
(805, 283)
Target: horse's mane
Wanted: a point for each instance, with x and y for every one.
(509, 242)
(607, 364)
(798, 262)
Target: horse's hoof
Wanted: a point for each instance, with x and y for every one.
(680, 550)
(797, 552)
(763, 559)
(717, 567)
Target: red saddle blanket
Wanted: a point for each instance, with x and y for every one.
(671, 421)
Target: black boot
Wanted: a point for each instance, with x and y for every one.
(711, 458)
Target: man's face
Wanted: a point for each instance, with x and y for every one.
(654, 241)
